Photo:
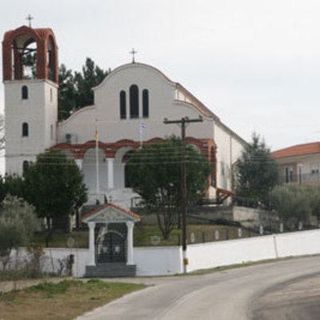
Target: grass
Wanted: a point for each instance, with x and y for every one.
(14, 275)
(60, 301)
(144, 233)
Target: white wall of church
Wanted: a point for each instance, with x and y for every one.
(81, 125)
(162, 104)
(89, 170)
(228, 151)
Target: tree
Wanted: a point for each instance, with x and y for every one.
(18, 222)
(154, 173)
(90, 77)
(54, 185)
(293, 204)
(11, 185)
(257, 172)
(14, 185)
(75, 89)
(313, 193)
(67, 93)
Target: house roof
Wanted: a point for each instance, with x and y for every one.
(297, 150)
(95, 212)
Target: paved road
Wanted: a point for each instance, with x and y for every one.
(241, 294)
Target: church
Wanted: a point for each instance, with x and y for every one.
(129, 109)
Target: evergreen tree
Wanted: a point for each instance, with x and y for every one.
(90, 77)
(75, 90)
(257, 172)
(154, 172)
(67, 93)
(54, 185)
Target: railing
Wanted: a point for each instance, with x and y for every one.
(305, 179)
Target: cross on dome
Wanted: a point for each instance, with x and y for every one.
(133, 52)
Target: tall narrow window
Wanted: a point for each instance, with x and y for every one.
(134, 101)
(145, 103)
(123, 109)
(25, 166)
(24, 92)
(25, 129)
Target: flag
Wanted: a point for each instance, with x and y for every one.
(142, 126)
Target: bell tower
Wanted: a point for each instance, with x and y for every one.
(30, 77)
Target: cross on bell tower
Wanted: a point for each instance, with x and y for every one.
(29, 18)
(133, 52)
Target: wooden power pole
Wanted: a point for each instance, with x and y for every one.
(182, 122)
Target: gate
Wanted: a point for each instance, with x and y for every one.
(112, 248)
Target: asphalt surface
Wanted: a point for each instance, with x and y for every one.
(288, 289)
(294, 299)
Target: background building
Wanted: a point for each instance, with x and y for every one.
(299, 164)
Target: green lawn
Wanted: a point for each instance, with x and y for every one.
(144, 234)
(61, 301)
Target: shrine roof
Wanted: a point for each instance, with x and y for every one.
(110, 212)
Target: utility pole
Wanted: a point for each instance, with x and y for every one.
(182, 122)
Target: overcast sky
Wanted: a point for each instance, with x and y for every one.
(254, 63)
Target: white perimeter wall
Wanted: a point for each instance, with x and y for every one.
(149, 260)
(152, 261)
(81, 259)
(223, 253)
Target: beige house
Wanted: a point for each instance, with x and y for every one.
(299, 164)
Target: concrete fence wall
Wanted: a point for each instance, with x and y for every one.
(52, 261)
(149, 260)
(223, 253)
(153, 261)
(55, 255)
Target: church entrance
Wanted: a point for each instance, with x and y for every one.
(112, 248)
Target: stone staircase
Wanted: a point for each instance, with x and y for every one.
(110, 270)
(122, 197)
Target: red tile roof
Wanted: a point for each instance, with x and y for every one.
(112, 205)
(298, 150)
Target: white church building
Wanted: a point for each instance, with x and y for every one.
(129, 109)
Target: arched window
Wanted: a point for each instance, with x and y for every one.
(123, 107)
(24, 92)
(25, 166)
(145, 103)
(134, 101)
(25, 129)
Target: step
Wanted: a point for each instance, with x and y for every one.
(109, 270)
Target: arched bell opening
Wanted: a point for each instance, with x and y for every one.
(30, 54)
(24, 51)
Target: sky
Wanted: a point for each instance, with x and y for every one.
(254, 63)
